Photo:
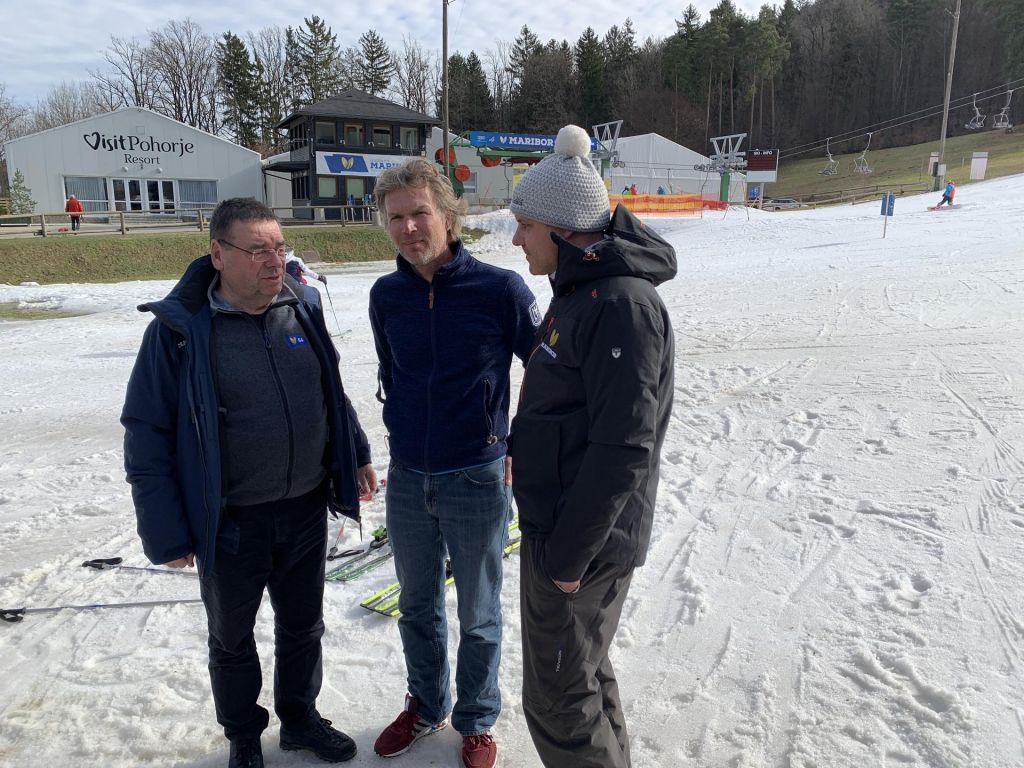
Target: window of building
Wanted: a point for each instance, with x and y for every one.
(197, 194)
(91, 192)
(469, 185)
(324, 133)
(382, 136)
(409, 138)
(297, 137)
(327, 187)
(300, 185)
(353, 135)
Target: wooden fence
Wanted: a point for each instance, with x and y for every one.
(48, 224)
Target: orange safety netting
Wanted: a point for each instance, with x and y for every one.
(667, 205)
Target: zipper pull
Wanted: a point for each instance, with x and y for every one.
(430, 297)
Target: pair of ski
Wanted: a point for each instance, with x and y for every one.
(385, 601)
(362, 561)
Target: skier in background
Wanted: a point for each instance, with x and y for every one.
(948, 194)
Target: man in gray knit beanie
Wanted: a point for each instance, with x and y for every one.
(564, 189)
(563, 194)
(586, 442)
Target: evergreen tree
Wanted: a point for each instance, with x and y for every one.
(21, 196)
(590, 75)
(294, 77)
(317, 59)
(470, 104)
(238, 86)
(376, 67)
(620, 45)
(546, 99)
(524, 47)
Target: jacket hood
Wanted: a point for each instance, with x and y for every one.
(629, 248)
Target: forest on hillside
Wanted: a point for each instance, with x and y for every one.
(789, 77)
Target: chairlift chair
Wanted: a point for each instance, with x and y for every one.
(833, 165)
(1002, 120)
(860, 164)
(977, 122)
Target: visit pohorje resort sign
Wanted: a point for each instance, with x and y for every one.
(138, 151)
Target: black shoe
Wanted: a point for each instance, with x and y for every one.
(316, 735)
(246, 753)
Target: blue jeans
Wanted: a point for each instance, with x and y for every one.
(464, 513)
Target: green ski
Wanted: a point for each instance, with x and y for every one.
(385, 601)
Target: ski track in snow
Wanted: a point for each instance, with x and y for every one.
(835, 577)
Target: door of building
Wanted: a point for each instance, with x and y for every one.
(152, 195)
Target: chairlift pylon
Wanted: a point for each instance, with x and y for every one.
(860, 164)
(833, 165)
(977, 122)
(1002, 120)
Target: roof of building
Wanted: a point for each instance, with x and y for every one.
(361, 105)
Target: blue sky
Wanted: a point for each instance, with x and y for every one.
(55, 40)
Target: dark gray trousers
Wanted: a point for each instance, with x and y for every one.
(280, 546)
(570, 695)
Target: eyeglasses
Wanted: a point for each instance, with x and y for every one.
(261, 255)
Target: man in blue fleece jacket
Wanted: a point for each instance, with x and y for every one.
(446, 326)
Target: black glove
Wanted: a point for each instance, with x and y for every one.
(322, 279)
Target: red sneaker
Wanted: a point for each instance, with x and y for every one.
(479, 751)
(405, 731)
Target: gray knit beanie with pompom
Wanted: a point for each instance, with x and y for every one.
(564, 189)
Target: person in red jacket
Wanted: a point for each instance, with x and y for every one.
(74, 207)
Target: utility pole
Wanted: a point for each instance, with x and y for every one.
(945, 106)
(444, 83)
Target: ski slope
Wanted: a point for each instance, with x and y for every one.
(837, 570)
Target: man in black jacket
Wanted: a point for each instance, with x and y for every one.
(586, 442)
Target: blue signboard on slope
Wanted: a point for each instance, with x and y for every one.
(527, 141)
(888, 204)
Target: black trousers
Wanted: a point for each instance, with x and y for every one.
(280, 546)
(570, 694)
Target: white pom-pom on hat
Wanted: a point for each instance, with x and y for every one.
(572, 141)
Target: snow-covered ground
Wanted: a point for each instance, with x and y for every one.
(837, 571)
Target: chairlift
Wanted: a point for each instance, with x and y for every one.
(977, 122)
(860, 164)
(833, 165)
(1002, 120)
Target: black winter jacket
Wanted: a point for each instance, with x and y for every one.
(595, 402)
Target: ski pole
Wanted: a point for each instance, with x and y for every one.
(14, 615)
(114, 563)
(331, 302)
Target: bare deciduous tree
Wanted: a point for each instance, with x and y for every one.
(67, 102)
(131, 81)
(184, 59)
(412, 86)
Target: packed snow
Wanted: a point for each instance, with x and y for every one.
(837, 571)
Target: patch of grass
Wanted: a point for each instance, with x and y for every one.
(11, 310)
(472, 234)
(163, 255)
(801, 177)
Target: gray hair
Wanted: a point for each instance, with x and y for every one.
(420, 173)
(235, 209)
